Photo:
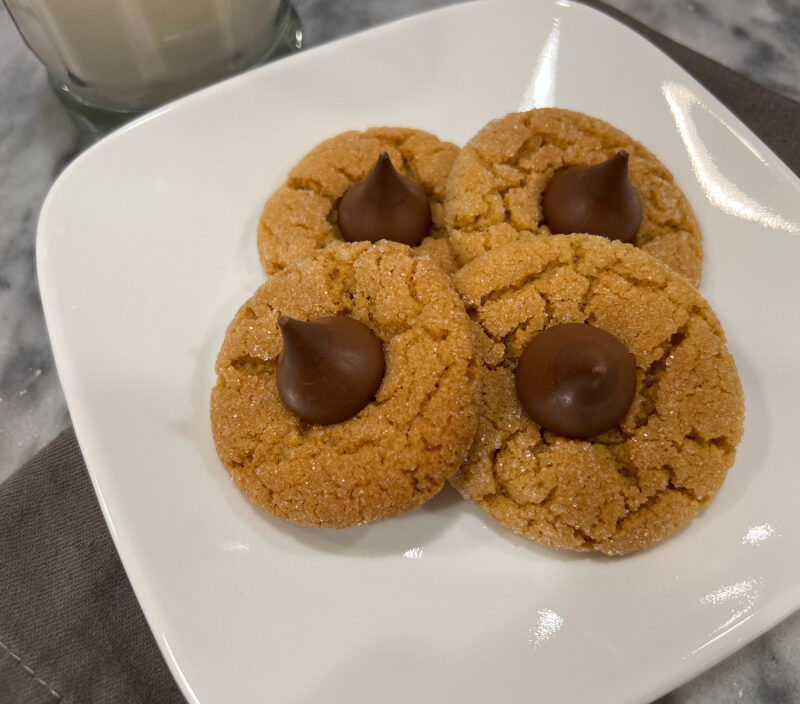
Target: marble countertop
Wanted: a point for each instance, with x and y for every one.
(759, 38)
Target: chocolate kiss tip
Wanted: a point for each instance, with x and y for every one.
(618, 164)
(301, 341)
(384, 184)
(384, 168)
(620, 158)
(291, 326)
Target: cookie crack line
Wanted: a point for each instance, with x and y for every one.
(530, 280)
(673, 485)
(252, 366)
(329, 475)
(585, 541)
(505, 441)
(429, 396)
(533, 283)
(652, 377)
(500, 177)
(412, 287)
(315, 185)
(512, 161)
(647, 507)
(543, 503)
(622, 466)
(499, 294)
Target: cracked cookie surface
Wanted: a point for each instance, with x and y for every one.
(497, 182)
(301, 216)
(635, 484)
(395, 453)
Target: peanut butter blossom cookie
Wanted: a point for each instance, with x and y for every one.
(382, 183)
(611, 406)
(347, 386)
(550, 171)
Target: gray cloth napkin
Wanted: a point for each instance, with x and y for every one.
(71, 629)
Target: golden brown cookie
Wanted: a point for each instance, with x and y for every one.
(300, 217)
(399, 450)
(635, 484)
(496, 185)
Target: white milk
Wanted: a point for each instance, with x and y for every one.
(134, 54)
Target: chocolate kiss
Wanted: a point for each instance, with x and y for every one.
(598, 200)
(329, 368)
(576, 380)
(385, 206)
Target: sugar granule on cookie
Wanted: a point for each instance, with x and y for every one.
(395, 446)
(304, 214)
(498, 182)
(645, 476)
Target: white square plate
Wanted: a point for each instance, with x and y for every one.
(146, 248)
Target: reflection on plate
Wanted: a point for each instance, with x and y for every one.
(147, 247)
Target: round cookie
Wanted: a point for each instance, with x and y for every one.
(497, 182)
(398, 451)
(300, 217)
(632, 485)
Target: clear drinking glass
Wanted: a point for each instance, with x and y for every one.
(110, 60)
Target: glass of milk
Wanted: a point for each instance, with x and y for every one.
(109, 60)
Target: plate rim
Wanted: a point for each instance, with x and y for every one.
(765, 617)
